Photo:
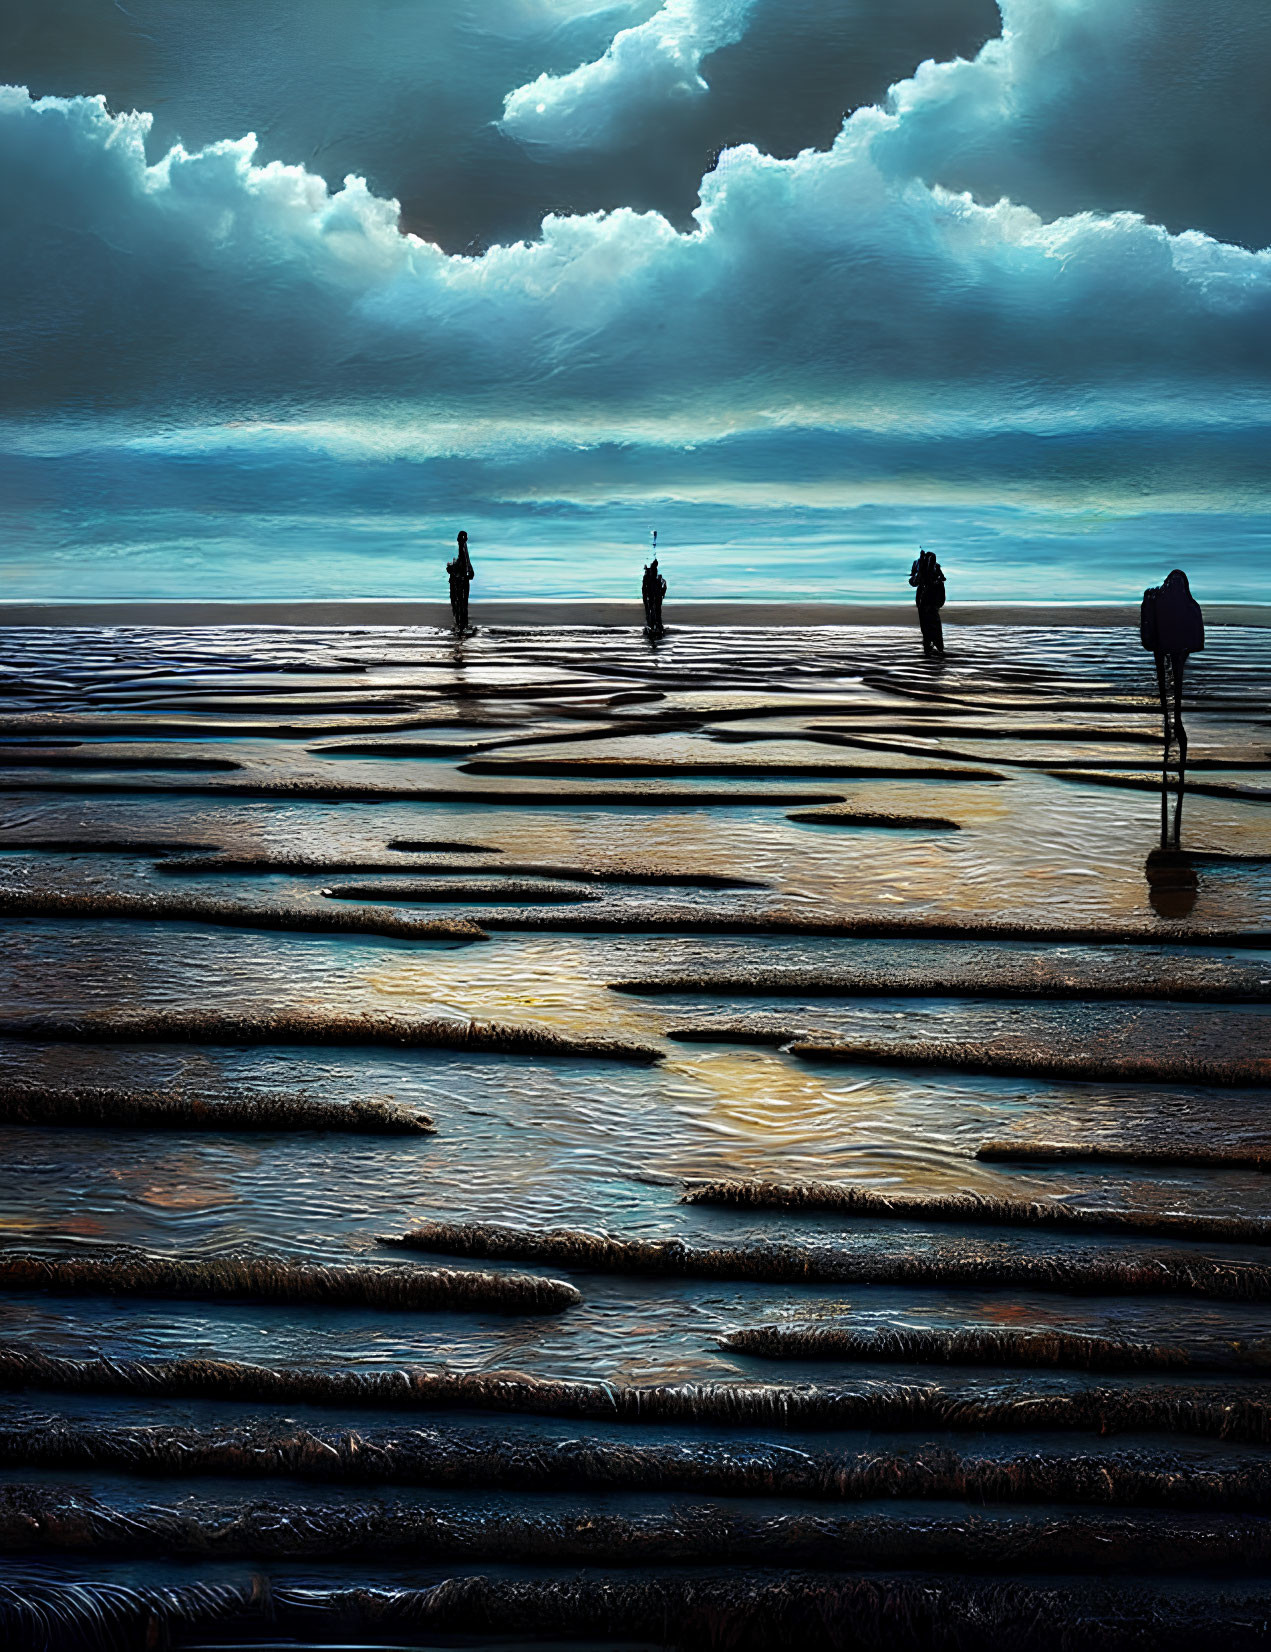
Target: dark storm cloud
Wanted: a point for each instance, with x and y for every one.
(1154, 106)
(410, 96)
(639, 124)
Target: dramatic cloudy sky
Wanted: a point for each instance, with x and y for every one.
(292, 289)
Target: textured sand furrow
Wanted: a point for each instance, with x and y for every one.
(635, 768)
(623, 874)
(760, 1610)
(633, 796)
(617, 917)
(274, 1280)
(40, 1518)
(977, 1209)
(1023, 1058)
(992, 1345)
(1040, 976)
(1215, 1412)
(945, 1266)
(108, 904)
(483, 1455)
(266, 1026)
(862, 818)
(1181, 1155)
(103, 1108)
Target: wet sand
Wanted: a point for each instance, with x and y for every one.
(594, 612)
(527, 863)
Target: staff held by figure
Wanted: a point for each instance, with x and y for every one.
(652, 590)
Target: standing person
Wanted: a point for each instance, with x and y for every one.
(462, 573)
(1172, 626)
(928, 576)
(652, 590)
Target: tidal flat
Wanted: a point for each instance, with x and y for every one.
(854, 1130)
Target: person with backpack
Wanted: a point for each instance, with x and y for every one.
(652, 591)
(928, 576)
(1172, 627)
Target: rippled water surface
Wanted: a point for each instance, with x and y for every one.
(748, 905)
(518, 779)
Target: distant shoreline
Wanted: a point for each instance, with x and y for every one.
(557, 612)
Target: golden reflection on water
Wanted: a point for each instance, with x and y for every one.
(553, 984)
(760, 1093)
(767, 1106)
(185, 1181)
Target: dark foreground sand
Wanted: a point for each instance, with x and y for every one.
(556, 612)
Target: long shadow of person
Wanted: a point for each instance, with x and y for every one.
(1173, 627)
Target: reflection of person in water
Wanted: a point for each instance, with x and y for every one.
(1172, 882)
(461, 574)
(928, 576)
(652, 590)
(1172, 626)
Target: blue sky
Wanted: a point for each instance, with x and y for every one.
(299, 289)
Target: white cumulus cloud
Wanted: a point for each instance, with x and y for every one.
(824, 281)
(645, 68)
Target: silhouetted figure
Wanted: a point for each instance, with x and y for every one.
(462, 573)
(652, 589)
(1172, 626)
(928, 576)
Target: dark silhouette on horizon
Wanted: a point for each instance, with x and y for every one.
(928, 576)
(1172, 626)
(652, 590)
(462, 573)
